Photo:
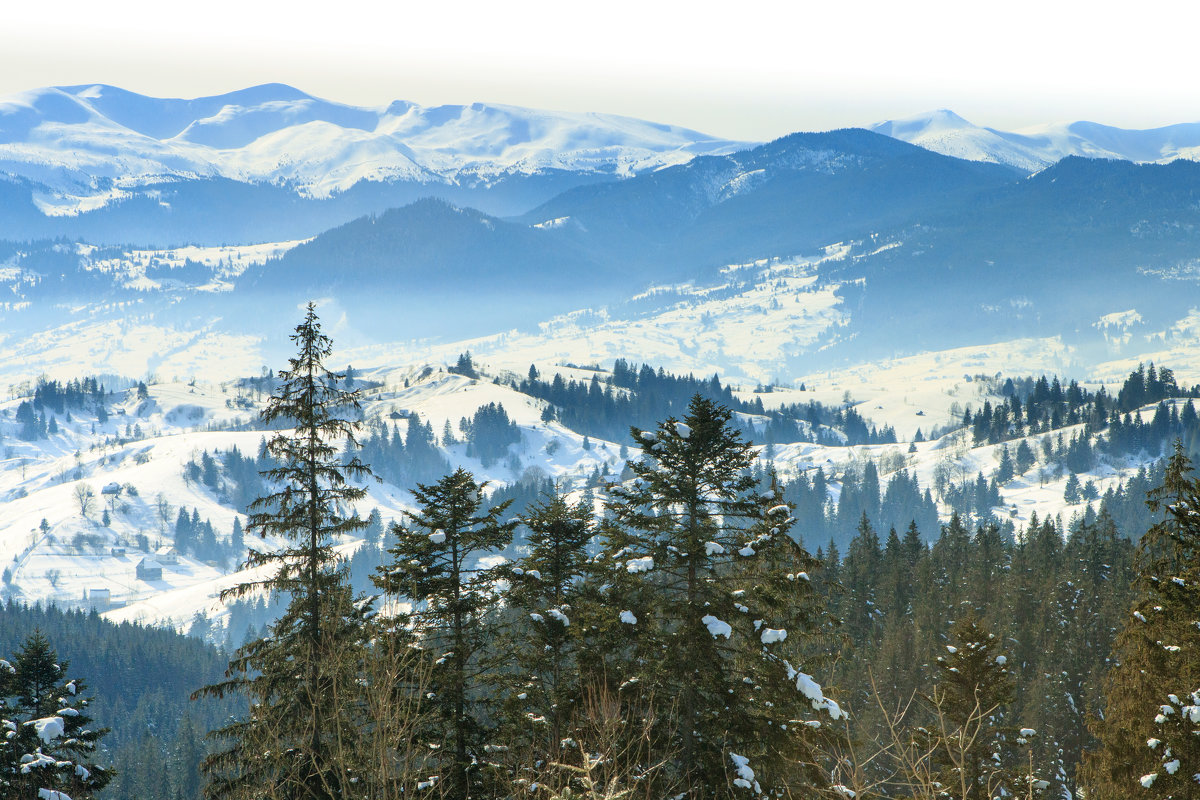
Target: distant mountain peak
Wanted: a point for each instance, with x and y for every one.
(1037, 147)
(930, 120)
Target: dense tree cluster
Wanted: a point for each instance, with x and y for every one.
(489, 433)
(58, 397)
(643, 395)
(819, 520)
(402, 458)
(37, 417)
(1039, 405)
(1048, 602)
(198, 538)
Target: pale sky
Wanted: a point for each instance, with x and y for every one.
(753, 70)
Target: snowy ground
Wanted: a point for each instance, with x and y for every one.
(226, 261)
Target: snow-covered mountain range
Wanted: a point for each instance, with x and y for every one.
(848, 268)
(1038, 147)
(88, 145)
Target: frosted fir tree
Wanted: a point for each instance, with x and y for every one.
(1157, 655)
(976, 743)
(49, 749)
(436, 564)
(301, 735)
(1176, 746)
(547, 586)
(715, 598)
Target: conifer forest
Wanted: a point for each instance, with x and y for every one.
(697, 626)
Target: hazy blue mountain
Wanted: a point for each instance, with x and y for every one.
(793, 195)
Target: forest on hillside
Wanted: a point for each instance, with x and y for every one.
(696, 627)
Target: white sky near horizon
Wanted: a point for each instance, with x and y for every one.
(755, 71)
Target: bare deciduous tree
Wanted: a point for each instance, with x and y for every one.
(85, 496)
(163, 508)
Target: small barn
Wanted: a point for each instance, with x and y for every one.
(149, 570)
(99, 598)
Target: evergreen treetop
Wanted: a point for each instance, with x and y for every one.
(724, 604)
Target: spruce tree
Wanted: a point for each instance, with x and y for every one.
(299, 737)
(859, 610)
(975, 756)
(1004, 472)
(436, 564)
(723, 605)
(1025, 458)
(1071, 493)
(547, 586)
(237, 539)
(1157, 653)
(50, 745)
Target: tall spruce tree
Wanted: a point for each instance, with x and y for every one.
(299, 738)
(436, 564)
(720, 595)
(1157, 655)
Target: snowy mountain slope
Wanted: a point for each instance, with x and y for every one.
(86, 144)
(794, 194)
(145, 444)
(56, 552)
(791, 196)
(1037, 147)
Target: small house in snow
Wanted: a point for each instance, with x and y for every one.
(113, 488)
(149, 570)
(99, 598)
(166, 555)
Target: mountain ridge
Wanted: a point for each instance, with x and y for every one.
(1039, 146)
(65, 137)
